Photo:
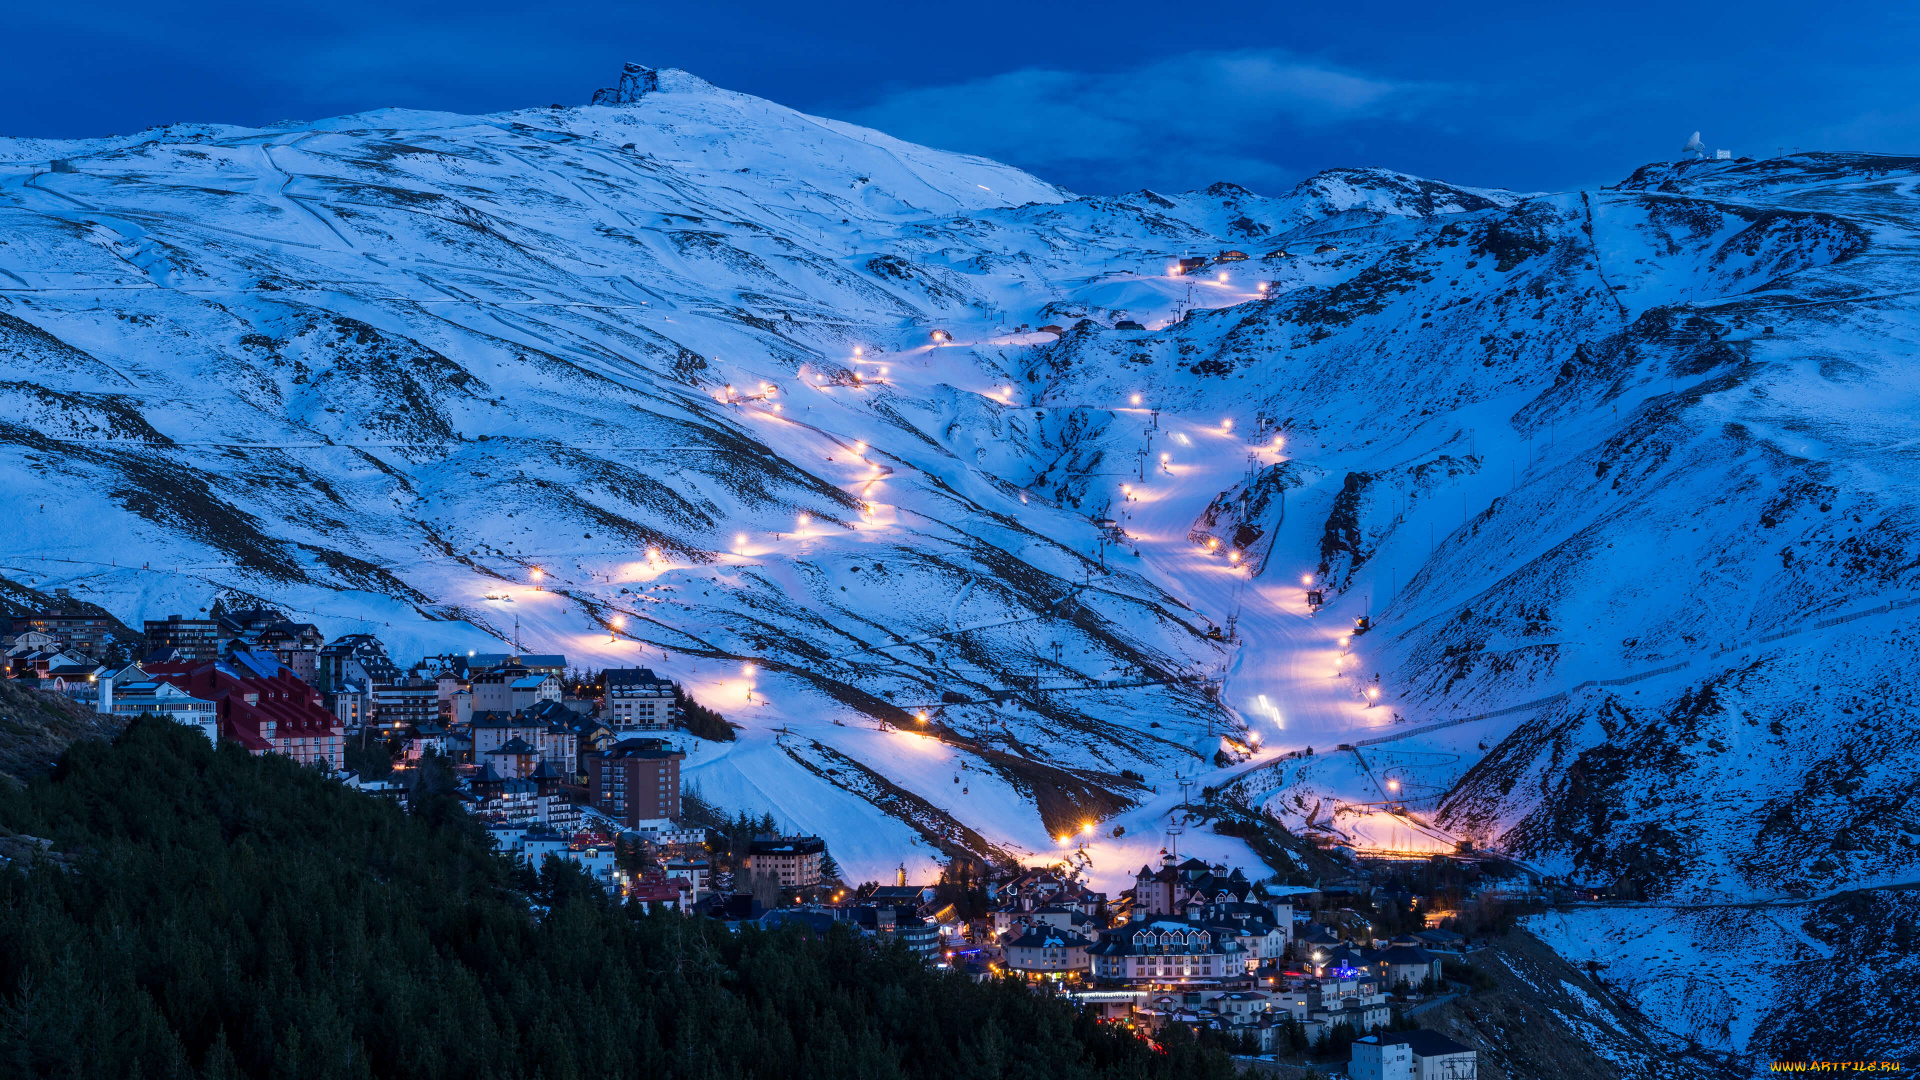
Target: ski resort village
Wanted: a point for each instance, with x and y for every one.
(1386, 627)
(586, 767)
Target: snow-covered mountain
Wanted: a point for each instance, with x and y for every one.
(688, 379)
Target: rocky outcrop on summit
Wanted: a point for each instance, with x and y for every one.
(639, 80)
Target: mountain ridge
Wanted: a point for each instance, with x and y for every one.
(684, 356)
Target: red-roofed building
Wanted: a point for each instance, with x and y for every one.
(657, 889)
(261, 706)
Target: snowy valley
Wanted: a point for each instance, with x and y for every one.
(989, 511)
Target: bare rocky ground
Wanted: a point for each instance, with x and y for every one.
(1547, 1020)
(37, 725)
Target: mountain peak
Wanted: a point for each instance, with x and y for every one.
(639, 80)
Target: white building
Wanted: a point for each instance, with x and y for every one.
(695, 872)
(637, 698)
(132, 673)
(352, 704)
(165, 699)
(1412, 1055)
(529, 690)
(1046, 950)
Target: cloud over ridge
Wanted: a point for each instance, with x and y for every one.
(1181, 121)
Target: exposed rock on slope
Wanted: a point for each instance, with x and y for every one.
(749, 387)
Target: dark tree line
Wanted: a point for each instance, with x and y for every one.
(212, 914)
(701, 721)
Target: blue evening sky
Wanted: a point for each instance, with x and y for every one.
(1099, 98)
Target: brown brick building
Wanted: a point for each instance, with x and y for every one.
(190, 639)
(637, 780)
(86, 634)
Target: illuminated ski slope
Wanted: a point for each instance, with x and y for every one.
(699, 382)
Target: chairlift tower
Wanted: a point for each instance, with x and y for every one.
(1177, 819)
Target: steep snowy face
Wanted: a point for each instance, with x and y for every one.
(862, 440)
(1582, 438)
(689, 380)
